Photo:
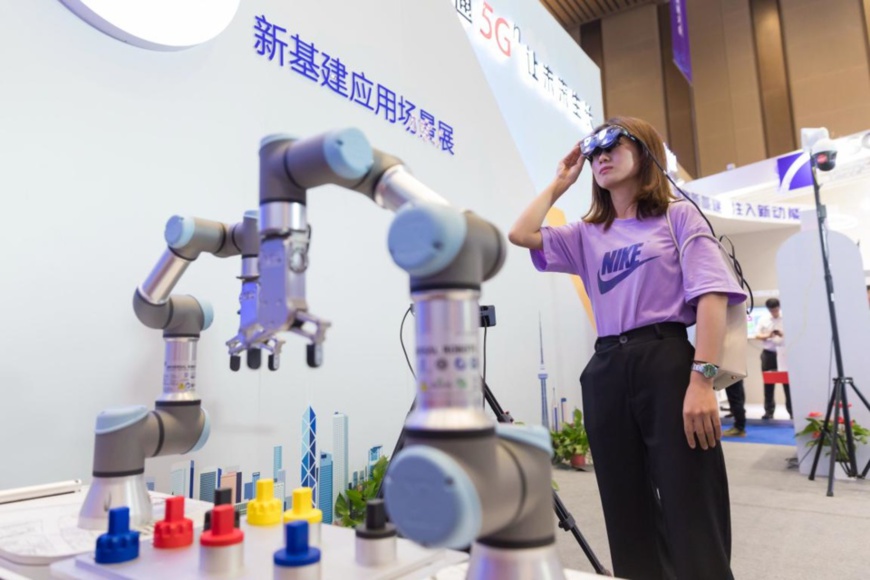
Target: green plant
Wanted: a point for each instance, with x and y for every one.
(815, 424)
(350, 506)
(570, 440)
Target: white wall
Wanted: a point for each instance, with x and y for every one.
(757, 254)
(101, 142)
(812, 363)
(846, 193)
(543, 130)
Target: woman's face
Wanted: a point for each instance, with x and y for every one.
(617, 166)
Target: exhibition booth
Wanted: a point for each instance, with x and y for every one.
(134, 156)
(782, 259)
(140, 145)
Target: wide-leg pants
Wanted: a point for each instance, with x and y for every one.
(666, 505)
(768, 363)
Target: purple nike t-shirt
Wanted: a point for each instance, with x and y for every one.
(632, 272)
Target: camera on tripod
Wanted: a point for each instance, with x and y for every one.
(823, 157)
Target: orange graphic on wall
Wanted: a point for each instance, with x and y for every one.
(556, 217)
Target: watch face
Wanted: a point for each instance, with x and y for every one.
(708, 370)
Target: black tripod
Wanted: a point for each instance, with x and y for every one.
(839, 400)
(566, 520)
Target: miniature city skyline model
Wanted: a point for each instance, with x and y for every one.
(542, 375)
(328, 476)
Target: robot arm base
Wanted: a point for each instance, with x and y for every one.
(124, 438)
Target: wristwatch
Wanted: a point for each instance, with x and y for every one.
(709, 370)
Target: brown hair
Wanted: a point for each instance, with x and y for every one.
(654, 193)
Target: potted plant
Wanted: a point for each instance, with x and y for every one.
(350, 506)
(815, 424)
(570, 443)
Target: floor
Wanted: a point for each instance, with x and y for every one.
(756, 411)
(784, 526)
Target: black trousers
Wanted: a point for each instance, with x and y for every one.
(666, 506)
(768, 363)
(737, 403)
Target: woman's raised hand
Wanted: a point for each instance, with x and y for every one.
(570, 167)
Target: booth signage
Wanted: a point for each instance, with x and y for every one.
(317, 65)
(747, 210)
(794, 171)
(680, 38)
(490, 27)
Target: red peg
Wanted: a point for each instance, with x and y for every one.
(223, 530)
(174, 530)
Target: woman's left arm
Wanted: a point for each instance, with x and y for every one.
(700, 406)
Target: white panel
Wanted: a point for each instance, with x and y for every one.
(811, 365)
(158, 24)
(544, 128)
(102, 142)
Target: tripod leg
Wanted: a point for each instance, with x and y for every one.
(860, 395)
(400, 443)
(850, 438)
(566, 520)
(867, 406)
(835, 433)
(822, 435)
(567, 523)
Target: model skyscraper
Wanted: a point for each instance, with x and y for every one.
(308, 471)
(277, 460)
(542, 375)
(340, 468)
(325, 485)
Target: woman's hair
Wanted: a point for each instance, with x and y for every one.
(654, 193)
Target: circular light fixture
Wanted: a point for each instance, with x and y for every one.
(157, 24)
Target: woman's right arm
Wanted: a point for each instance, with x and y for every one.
(526, 232)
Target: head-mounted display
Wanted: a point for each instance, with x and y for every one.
(603, 140)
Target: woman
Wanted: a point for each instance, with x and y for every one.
(651, 412)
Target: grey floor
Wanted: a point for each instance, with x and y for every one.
(784, 526)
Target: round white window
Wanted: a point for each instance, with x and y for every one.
(157, 24)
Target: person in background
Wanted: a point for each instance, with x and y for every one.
(650, 410)
(771, 333)
(737, 406)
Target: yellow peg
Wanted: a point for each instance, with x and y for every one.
(265, 509)
(302, 508)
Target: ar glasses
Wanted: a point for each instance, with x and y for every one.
(604, 140)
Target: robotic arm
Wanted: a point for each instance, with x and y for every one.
(125, 437)
(288, 169)
(483, 484)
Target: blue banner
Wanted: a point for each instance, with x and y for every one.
(794, 171)
(680, 38)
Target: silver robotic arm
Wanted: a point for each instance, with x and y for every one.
(483, 485)
(288, 169)
(460, 480)
(125, 437)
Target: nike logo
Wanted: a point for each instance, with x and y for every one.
(605, 286)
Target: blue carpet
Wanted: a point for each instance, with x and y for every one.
(769, 432)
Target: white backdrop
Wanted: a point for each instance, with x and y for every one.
(546, 118)
(811, 364)
(100, 142)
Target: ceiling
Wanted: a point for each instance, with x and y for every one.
(572, 13)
